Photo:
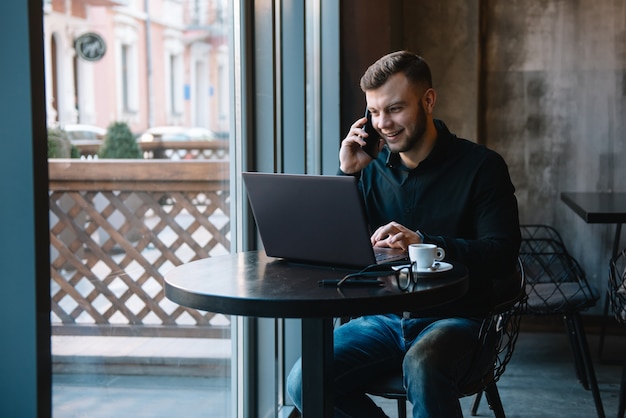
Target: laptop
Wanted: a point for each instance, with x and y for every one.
(314, 219)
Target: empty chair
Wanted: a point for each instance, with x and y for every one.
(556, 285)
(505, 321)
(617, 296)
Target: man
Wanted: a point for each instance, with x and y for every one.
(425, 185)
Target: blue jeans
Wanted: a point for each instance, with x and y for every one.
(436, 355)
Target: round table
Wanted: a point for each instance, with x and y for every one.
(253, 284)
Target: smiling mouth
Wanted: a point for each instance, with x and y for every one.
(392, 135)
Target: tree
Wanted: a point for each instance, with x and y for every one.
(59, 145)
(119, 142)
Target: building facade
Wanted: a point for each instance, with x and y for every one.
(145, 62)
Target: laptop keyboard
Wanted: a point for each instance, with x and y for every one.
(384, 256)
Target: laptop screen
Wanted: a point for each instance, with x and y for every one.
(311, 218)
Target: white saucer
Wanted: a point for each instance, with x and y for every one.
(443, 266)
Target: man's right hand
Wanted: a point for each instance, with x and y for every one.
(352, 158)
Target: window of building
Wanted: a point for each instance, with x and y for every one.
(125, 81)
(175, 85)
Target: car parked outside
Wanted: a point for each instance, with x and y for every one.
(79, 132)
(177, 133)
(194, 136)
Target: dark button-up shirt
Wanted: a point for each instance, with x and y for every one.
(460, 198)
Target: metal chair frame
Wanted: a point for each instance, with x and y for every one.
(617, 297)
(557, 285)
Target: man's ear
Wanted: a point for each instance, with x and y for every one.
(429, 99)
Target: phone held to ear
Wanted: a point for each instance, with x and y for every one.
(371, 142)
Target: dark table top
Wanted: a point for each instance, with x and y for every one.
(253, 284)
(597, 207)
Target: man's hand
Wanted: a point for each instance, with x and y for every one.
(352, 158)
(394, 235)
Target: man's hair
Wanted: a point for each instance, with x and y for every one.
(411, 65)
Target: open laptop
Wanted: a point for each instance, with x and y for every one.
(314, 219)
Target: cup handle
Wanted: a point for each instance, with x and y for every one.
(441, 254)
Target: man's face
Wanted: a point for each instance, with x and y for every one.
(398, 113)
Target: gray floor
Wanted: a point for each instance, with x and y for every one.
(539, 382)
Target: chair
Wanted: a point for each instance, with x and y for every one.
(556, 285)
(505, 320)
(617, 296)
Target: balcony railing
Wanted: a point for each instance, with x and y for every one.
(116, 227)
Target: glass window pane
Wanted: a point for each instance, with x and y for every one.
(138, 116)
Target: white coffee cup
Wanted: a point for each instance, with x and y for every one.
(425, 255)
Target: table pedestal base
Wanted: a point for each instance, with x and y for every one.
(317, 367)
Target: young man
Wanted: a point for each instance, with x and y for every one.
(425, 185)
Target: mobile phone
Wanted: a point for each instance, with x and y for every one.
(371, 142)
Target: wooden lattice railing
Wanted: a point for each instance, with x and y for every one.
(116, 226)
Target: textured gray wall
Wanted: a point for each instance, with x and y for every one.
(555, 111)
(445, 33)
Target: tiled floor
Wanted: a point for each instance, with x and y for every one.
(539, 382)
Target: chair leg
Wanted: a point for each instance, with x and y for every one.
(579, 362)
(622, 395)
(476, 403)
(401, 408)
(588, 364)
(493, 398)
(605, 315)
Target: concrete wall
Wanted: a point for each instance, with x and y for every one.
(555, 110)
(540, 81)
(446, 34)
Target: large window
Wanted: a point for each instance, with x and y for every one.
(118, 223)
(116, 226)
